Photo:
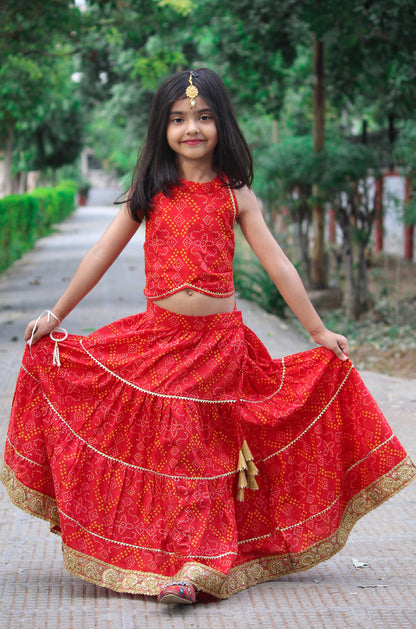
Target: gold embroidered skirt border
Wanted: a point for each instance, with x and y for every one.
(203, 577)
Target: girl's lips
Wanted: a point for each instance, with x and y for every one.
(193, 142)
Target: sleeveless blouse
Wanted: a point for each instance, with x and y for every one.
(190, 240)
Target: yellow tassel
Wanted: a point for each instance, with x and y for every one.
(246, 451)
(242, 464)
(242, 479)
(246, 464)
(252, 468)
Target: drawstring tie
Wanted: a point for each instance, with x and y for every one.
(55, 358)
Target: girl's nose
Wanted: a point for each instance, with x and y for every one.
(192, 126)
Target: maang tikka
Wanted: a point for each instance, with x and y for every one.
(192, 90)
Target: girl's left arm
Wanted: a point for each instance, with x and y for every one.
(283, 273)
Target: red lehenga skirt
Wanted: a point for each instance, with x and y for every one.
(131, 450)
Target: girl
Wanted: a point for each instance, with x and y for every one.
(168, 449)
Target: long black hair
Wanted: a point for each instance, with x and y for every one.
(156, 171)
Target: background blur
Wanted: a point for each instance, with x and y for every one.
(325, 93)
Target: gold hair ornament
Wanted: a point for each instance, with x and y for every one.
(192, 90)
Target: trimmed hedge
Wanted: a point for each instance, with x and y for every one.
(26, 217)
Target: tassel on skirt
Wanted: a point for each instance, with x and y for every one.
(169, 447)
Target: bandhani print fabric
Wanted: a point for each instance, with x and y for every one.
(130, 450)
(190, 240)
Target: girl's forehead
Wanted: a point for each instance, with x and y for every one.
(183, 105)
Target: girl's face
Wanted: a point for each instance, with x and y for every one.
(192, 133)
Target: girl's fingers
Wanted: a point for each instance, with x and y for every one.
(37, 329)
(342, 349)
(29, 330)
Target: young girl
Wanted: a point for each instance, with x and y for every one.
(168, 449)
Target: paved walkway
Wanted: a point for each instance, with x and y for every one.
(36, 592)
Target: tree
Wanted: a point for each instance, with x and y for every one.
(21, 90)
(128, 49)
(347, 185)
(53, 134)
(369, 59)
(289, 170)
(28, 48)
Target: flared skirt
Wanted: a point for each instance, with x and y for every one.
(131, 450)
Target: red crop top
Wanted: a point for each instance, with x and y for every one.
(190, 240)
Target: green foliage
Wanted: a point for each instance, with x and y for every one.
(289, 163)
(182, 7)
(295, 116)
(26, 217)
(262, 49)
(370, 50)
(249, 43)
(39, 115)
(153, 68)
(29, 28)
(21, 89)
(51, 138)
(346, 164)
(290, 168)
(286, 172)
(129, 49)
(405, 154)
(405, 150)
(252, 282)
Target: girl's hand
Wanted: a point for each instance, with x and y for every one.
(40, 327)
(337, 343)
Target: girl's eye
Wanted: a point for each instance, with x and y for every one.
(177, 120)
(206, 117)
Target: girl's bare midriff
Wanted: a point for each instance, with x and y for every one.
(190, 302)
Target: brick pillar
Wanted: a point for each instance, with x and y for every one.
(378, 220)
(408, 229)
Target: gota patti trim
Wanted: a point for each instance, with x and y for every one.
(235, 210)
(319, 513)
(240, 542)
(115, 460)
(29, 500)
(288, 445)
(46, 508)
(25, 458)
(257, 571)
(171, 476)
(198, 289)
(146, 548)
(182, 397)
(269, 397)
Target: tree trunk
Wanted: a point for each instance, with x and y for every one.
(303, 246)
(318, 213)
(6, 165)
(362, 297)
(351, 288)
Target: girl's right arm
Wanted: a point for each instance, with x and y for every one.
(93, 266)
(283, 273)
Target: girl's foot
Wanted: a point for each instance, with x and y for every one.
(175, 593)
